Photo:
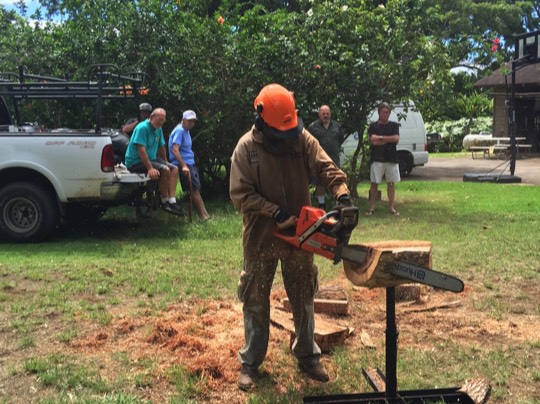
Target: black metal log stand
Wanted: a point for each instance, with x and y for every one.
(391, 395)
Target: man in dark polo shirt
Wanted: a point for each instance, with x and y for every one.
(384, 136)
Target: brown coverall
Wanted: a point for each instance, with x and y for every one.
(261, 183)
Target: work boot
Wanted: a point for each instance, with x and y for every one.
(246, 377)
(315, 371)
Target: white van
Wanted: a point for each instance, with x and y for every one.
(412, 146)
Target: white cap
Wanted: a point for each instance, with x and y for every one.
(145, 107)
(189, 115)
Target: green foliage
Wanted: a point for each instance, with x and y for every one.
(454, 99)
(453, 132)
(469, 28)
(347, 55)
(466, 114)
(478, 36)
(214, 56)
(473, 106)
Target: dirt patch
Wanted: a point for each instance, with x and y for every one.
(202, 338)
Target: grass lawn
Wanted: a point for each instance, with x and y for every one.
(127, 312)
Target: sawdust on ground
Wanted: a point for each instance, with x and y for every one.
(204, 336)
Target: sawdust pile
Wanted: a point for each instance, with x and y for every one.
(203, 338)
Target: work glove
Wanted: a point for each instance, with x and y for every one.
(283, 219)
(343, 201)
(348, 218)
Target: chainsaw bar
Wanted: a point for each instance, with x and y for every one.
(354, 254)
(408, 271)
(427, 276)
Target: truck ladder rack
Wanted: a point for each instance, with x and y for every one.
(103, 81)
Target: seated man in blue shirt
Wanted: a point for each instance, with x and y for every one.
(146, 153)
(181, 153)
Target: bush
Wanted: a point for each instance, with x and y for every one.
(453, 132)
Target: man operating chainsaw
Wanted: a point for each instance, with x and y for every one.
(270, 175)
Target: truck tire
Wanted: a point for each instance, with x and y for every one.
(405, 164)
(28, 212)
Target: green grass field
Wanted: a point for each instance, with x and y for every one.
(55, 294)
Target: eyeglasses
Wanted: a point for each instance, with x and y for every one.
(158, 118)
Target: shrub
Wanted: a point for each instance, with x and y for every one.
(453, 132)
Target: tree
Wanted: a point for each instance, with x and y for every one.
(478, 36)
(214, 56)
(368, 54)
(469, 28)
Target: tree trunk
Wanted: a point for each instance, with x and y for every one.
(374, 272)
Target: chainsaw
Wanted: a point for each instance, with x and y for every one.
(328, 233)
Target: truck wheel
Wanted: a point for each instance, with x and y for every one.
(405, 164)
(28, 212)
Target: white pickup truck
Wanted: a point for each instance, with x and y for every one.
(51, 175)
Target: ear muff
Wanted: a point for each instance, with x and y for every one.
(259, 123)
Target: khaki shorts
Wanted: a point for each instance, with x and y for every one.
(390, 171)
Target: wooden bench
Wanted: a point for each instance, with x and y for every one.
(497, 150)
(500, 150)
(524, 148)
(477, 149)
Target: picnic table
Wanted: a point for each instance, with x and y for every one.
(520, 147)
(498, 147)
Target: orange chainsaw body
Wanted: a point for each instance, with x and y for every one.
(319, 241)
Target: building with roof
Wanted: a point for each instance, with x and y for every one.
(527, 99)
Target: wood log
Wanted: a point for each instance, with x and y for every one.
(366, 340)
(374, 272)
(331, 292)
(444, 305)
(326, 306)
(478, 390)
(327, 334)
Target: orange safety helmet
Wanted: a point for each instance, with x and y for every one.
(276, 108)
